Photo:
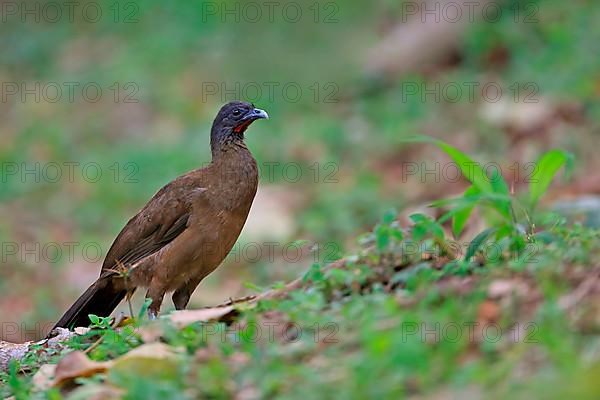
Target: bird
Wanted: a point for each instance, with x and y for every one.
(186, 229)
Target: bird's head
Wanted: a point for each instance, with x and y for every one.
(236, 116)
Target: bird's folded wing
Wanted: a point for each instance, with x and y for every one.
(162, 220)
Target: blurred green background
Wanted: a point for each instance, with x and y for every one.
(332, 154)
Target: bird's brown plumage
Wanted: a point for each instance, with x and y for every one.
(185, 230)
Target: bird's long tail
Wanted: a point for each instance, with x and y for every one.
(99, 299)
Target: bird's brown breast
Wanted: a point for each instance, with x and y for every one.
(220, 215)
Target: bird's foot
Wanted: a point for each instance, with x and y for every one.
(152, 314)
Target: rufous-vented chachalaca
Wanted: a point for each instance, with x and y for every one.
(185, 230)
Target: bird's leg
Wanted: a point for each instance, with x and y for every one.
(123, 271)
(157, 298)
(181, 297)
(128, 298)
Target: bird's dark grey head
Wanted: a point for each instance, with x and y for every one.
(232, 121)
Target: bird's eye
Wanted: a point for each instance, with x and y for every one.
(237, 112)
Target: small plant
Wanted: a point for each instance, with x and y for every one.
(100, 322)
(512, 218)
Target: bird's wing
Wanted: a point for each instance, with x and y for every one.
(163, 219)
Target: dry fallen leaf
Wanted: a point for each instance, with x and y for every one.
(77, 365)
(184, 318)
(156, 361)
(44, 377)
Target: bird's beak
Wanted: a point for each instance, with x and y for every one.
(257, 113)
(245, 122)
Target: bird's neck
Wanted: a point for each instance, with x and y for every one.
(237, 176)
(233, 153)
(223, 141)
(224, 148)
(229, 152)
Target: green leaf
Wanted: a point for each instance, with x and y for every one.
(314, 274)
(477, 242)
(418, 218)
(474, 173)
(382, 237)
(505, 231)
(499, 185)
(547, 167)
(389, 216)
(419, 232)
(470, 169)
(425, 224)
(436, 230)
(397, 234)
(461, 216)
